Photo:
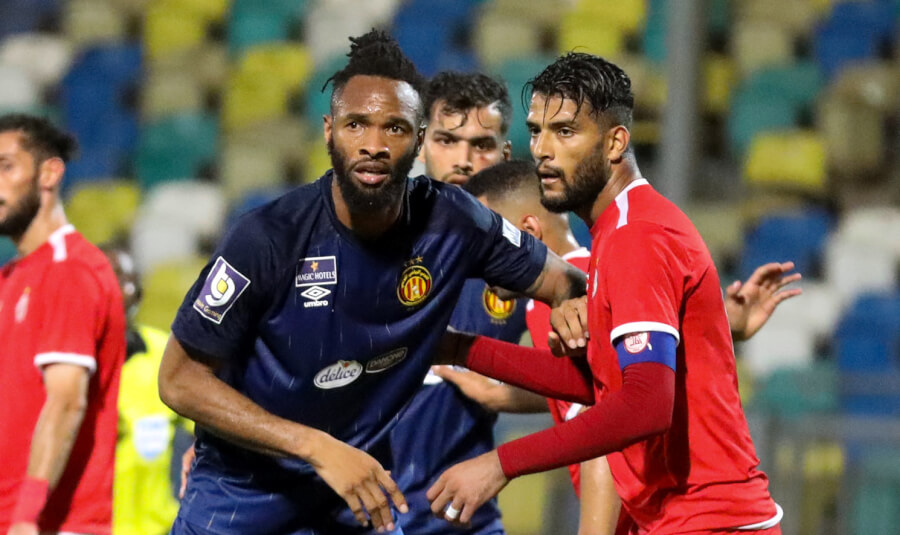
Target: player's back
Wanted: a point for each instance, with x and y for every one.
(702, 472)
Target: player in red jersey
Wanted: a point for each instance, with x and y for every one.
(512, 190)
(62, 341)
(662, 367)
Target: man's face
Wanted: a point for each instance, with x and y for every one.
(568, 150)
(460, 144)
(20, 195)
(373, 138)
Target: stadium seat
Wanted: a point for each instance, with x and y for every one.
(422, 42)
(318, 101)
(249, 167)
(168, 92)
(286, 135)
(795, 235)
(854, 266)
(791, 160)
(868, 335)
(517, 72)
(18, 90)
(198, 207)
(250, 99)
(94, 162)
(837, 46)
(256, 24)
(317, 161)
(719, 80)
(176, 148)
(498, 39)
(799, 391)
(721, 227)
(817, 310)
(7, 250)
(45, 58)
(875, 84)
(797, 16)
(287, 64)
(216, 10)
(24, 16)
(779, 346)
(587, 34)
(757, 44)
(103, 210)
(165, 286)
(92, 22)
(327, 25)
(876, 226)
(752, 113)
(874, 507)
(626, 15)
(172, 28)
(854, 136)
(653, 41)
(799, 82)
(289, 9)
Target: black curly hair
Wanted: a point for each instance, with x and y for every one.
(587, 78)
(40, 137)
(462, 92)
(376, 54)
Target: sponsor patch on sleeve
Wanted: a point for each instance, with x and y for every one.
(223, 286)
(511, 233)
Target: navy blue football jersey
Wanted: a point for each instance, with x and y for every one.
(320, 327)
(458, 428)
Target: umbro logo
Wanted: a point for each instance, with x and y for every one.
(315, 296)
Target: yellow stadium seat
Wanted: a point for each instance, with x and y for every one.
(853, 132)
(248, 167)
(103, 211)
(317, 161)
(164, 288)
(211, 10)
(171, 29)
(251, 99)
(626, 15)
(719, 78)
(287, 64)
(168, 92)
(286, 134)
(584, 34)
(789, 160)
(89, 22)
(499, 38)
(756, 44)
(797, 16)
(875, 84)
(543, 12)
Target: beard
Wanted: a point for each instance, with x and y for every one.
(23, 213)
(588, 180)
(366, 199)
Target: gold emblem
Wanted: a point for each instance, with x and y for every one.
(415, 284)
(497, 308)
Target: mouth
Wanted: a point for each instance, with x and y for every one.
(371, 173)
(457, 178)
(548, 176)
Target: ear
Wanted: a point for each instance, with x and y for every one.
(52, 170)
(420, 141)
(507, 150)
(327, 122)
(618, 140)
(532, 225)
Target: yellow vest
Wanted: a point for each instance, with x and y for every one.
(142, 492)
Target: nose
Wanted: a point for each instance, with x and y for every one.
(374, 144)
(463, 157)
(540, 147)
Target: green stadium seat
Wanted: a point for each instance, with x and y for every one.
(752, 113)
(318, 102)
(7, 250)
(517, 72)
(875, 508)
(256, 23)
(175, 148)
(799, 82)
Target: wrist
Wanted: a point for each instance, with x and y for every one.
(32, 497)
(310, 444)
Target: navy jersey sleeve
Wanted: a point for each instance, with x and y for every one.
(504, 255)
(220, 312)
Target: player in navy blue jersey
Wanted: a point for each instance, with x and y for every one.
(468, 119)
(315, 320)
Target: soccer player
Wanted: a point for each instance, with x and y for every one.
(662, 371)
(316, 320)
(62, 341)
(512, 189)
(143, 503)
(468, 119)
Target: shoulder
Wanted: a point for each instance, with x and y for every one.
(452, 204)
(80, 262)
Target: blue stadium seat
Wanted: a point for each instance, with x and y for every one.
(854, 31)
(422, 41)
(797, 235)
(93, 162)
(20, 16)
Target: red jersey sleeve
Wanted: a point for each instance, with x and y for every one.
(644, 286)
(72, 308)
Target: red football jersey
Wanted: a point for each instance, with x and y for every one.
(651, 271)
(537, 317)
(61, 304)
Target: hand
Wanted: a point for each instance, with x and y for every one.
(186, 461)
(23, 528)
(476, 387)
(466, 487)
(359, 479)
(570, 332)
(749, 305)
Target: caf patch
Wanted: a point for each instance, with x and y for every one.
(223, 286)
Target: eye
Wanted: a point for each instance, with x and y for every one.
(396, 129)
(353, 125)
(445, 141)
(565, 132)
(484, 146)
(533, 131)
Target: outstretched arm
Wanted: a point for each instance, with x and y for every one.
(493, 396)
(750, 304)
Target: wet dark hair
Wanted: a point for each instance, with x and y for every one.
(462, 92)
(587, 78)
(376, 54)
(499, 181)
(40, 137)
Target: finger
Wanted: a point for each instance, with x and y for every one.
(370, 501)
(583, 317)
(764, 271)
(732, 290)
(390, 486)
(785, 295)
(438, 496)
(382, 509)
(467, 512)
(573, 320)
(356, 507)
(784, 281)
(452, 512)
(446, 372)
(555, 345)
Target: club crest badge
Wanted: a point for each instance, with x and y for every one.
(497, 309)
(415, 283)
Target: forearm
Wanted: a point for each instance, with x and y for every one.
(600, 504)
(640, 409)
(516, 400)
(536, 370)
(191, 389)
(558, 282)
(51, 444)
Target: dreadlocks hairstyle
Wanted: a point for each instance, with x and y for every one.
(499, 181)
(376, 54)
(40, 137)
(462, 92)
(587, 78)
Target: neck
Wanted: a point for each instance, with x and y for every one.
(49, 219)
(368, 225)
(559, 238)
(622, 174)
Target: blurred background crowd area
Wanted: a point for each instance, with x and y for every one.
(189, 112)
